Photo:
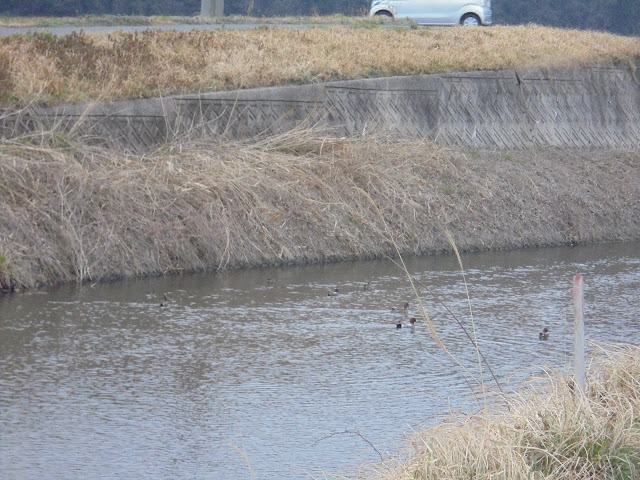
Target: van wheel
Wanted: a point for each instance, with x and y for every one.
(383, 13)
(470, 20)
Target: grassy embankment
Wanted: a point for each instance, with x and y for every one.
(71, 212)
(550, 432)
(48, 69)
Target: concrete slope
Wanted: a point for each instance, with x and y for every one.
(595, 107)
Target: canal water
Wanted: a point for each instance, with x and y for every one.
(263, 374)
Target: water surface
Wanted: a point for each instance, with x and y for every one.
(264, 370)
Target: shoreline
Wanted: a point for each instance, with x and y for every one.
(549, 430)
(77, 213)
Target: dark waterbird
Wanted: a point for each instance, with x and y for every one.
(405, 308)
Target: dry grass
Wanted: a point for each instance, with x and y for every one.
(551, 432)
(72, 212)
(84, 67)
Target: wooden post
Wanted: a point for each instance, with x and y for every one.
(578, 333)
(212, 8)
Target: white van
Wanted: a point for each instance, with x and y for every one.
(436, 12)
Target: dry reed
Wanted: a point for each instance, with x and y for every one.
(83, 67)
(74, 212)
(551, 432)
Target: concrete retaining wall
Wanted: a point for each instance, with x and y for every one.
(582, 108)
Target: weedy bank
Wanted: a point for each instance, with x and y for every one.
(551, 431)
(47, 69)
(70, 211)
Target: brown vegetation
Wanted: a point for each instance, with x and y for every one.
(82, 67)
(71, 212)
(551, 431)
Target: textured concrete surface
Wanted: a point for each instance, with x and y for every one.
(581, 108)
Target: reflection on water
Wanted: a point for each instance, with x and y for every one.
(263, 369)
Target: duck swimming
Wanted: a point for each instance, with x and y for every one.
(398, 325)
(544, 334)
(334, 293)
(164, 301)
(405, 307)
(412, 321)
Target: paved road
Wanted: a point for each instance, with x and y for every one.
(4, 31)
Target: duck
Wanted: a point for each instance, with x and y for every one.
(398, 325)
(405, 307)
(333, 293)
(365, 287)
(544, 334)
(412, 321)
(165, 300)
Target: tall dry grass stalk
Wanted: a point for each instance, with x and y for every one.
(70, 211)
(552, 431)
(423, 311)
(482, 361)
(83, 67)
